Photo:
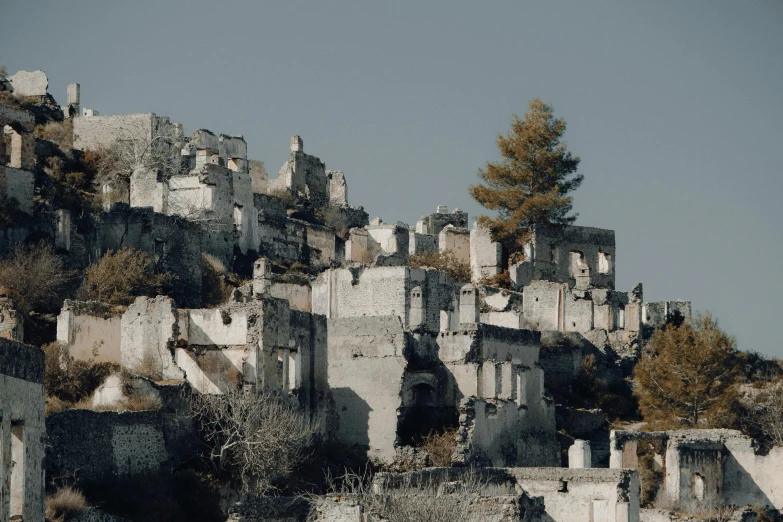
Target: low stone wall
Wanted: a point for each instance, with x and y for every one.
(92, 445)
(569, 495)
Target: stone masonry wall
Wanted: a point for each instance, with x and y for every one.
(22, 405)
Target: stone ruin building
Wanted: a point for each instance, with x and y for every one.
(22, 432)
(376, 352)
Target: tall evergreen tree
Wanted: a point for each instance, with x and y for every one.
(529, 186)
(688, 379)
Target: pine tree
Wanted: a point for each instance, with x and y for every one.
(688, 381)
(529, 186)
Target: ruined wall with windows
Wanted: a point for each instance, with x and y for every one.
(704, 467)
(22, 431)
(17, 159)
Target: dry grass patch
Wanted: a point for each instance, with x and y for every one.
(64, 504)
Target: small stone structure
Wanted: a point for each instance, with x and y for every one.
(579, 455)
(705, 466)
(569, 495)
(22, 432)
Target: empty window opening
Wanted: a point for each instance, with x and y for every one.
(13, 143)
(621, 318)
(563, 487)
(521, 389)
(697, 486)
(604, 263)
(578, 265)
(553, 253)
(422, 395)
(286, 369)
(17, 468)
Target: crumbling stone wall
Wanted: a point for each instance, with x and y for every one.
(385, 291)
(338, 189)
(583, 495)
(657, 313)
(457, 241)
(568, 495)
(710, 465)
(578, 256)
(91, 330)
(18, 184)
(555, 306)
(432, 224)
(302, 176)
(97, 132)
(173, 244)
(393, 240)
(149, 330)
(486, 256)
(367, 365)
(18, 161)
(501, 432)
(22, 431)
(120, 444)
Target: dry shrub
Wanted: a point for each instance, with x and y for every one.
(214, 290)
(68, 381)
(35, 278)
(445, 262)
(142, 403)
(501, 280)
(58, 132)
(439, 446)
(256, 439)
(119, 277)
(452, 501)
(55, 405)
(65, 503)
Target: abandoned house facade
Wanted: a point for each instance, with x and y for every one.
(22, 432)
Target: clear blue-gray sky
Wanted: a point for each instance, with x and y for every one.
(676, 109)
